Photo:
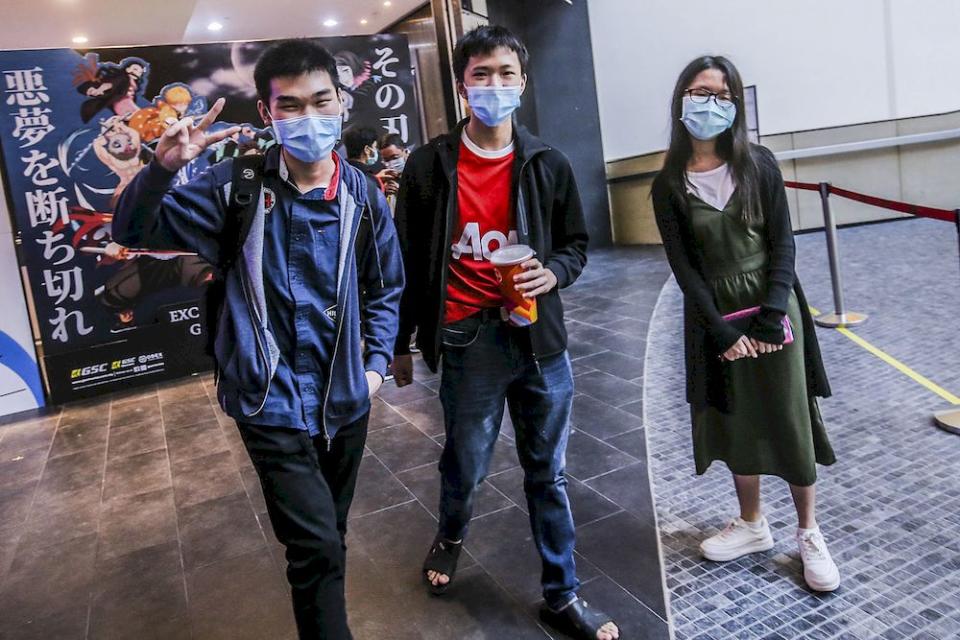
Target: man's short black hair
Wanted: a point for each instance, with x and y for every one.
(292, 58)
(392, 140)
(357, 138)
(483, 41)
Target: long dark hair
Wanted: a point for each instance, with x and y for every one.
(733, 145)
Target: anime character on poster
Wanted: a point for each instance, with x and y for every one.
(354, 74)
(129, 280)
(115, 86)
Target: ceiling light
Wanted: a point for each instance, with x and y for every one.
(363, 21)
(387, 3)
(214, 26)
(80, 40)
(330, 22)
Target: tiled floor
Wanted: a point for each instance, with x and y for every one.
(141, 517)
(889, 507)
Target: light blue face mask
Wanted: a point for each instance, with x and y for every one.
(397, 164)
(308, 138)
(708, 120)
(493, 105)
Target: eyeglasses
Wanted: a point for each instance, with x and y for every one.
(702, 96)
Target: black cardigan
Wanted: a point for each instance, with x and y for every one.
(706, 334)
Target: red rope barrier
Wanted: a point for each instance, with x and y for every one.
(902, 207)
(893, 205)
(807, 186)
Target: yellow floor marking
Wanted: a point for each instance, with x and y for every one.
(896, 364)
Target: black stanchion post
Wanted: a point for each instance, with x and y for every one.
(840, 317)
(956, 215)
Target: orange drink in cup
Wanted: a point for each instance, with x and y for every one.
(507, 260)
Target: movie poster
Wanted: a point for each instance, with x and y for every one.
(76, 128)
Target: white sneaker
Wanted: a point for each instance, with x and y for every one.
(738, 539)
(819, 570)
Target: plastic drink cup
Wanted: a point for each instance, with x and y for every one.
(507, 260)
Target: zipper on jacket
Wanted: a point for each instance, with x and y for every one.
(336, 345)
(451, 199)
(259, 327)
(521, 207)
(376, 248)
(525, 231)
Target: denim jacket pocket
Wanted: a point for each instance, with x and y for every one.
(461, 334)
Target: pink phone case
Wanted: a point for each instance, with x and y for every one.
(752, 311)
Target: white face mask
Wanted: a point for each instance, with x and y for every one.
(397, 164)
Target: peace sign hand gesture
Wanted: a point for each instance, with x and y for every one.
(183, 141)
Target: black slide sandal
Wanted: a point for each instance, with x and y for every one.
(578, 620)
(442, 558)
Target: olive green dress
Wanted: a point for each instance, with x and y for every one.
(774, 427)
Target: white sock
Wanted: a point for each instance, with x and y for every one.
(754, 526)
(803, 532)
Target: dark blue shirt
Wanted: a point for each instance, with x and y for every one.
(301, 251)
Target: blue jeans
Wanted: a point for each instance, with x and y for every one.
(484, 364)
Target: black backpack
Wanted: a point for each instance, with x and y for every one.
(246, 183)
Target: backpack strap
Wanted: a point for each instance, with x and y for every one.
(245, 187)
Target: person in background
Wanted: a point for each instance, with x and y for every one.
(363, 152)
(296, 369)
(487, 184)
(393, 152)
(752, 383)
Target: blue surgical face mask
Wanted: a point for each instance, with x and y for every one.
(373, 159)
(708, 120)
(493, 105)
(308, 138)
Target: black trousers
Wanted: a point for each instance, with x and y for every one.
(308, 491)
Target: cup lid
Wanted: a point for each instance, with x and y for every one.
(511, 254)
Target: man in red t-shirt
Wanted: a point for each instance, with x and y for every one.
(488, 184)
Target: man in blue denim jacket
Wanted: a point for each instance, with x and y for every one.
(297, 360)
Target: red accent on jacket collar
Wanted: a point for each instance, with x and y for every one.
(334, 186)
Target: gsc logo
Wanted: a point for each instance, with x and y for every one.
(89, 371)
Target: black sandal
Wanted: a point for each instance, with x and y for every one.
(578, 620)
(443, 559)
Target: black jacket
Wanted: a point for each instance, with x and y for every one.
(549, 218)
(706, 334)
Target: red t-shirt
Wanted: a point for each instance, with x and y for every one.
(484, 193)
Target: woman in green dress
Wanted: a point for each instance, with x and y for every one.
(753, 383)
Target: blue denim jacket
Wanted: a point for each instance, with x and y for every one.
(189, 217)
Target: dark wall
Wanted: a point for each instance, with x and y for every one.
(560, 104)
(433, 92)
